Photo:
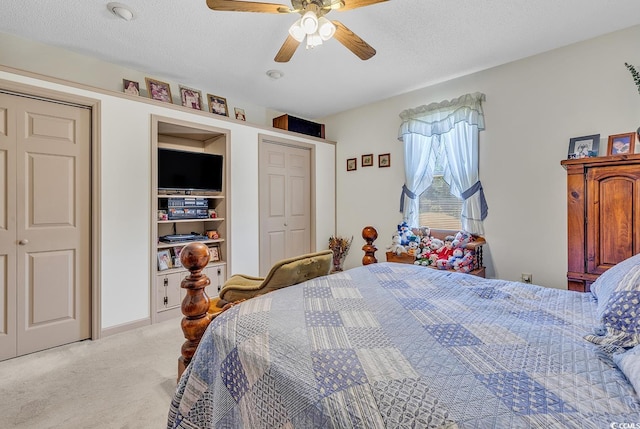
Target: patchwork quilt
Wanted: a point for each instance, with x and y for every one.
(401, 346)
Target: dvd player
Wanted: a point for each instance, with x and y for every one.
(182, 237)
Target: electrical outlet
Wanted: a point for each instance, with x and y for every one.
(527, 277)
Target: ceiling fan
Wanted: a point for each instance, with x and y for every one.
(312, 25)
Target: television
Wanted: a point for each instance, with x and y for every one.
(180, 170)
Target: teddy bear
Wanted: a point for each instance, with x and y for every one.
(436, 244)
(396, 247)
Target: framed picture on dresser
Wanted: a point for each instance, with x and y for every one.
(584, 147)
(621, 144)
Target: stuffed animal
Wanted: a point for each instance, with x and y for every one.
(462, 238)
(405, 233)
(436, 244)
(396, 247)
(412, 248)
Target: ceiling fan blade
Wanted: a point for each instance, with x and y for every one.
(354, 4)
(247, 6)
(352, 42)
(287, 50)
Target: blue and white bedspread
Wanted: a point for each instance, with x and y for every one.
(400, 346)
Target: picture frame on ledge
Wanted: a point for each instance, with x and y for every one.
(584, 147)
(218, 105)
(240, 115)
(621, 144)
(191, 98)
(130, 87)
(158, 90)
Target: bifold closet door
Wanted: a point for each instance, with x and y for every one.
(46, 236)
(285, 203)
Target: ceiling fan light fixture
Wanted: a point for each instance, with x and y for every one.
(313, 40)
(326, 29)
(296, 31)
(309, 22)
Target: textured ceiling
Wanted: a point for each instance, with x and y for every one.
(418, 42)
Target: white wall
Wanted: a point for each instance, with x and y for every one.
(533, 107)
(125, 154)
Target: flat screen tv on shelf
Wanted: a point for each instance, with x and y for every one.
(192, 172)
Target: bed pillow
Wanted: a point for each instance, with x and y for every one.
(608, 282)
(619, 315)
(629, 364)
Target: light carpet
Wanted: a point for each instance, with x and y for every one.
(122, 381)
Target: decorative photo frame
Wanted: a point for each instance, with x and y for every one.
(158, 90)
(218, 105)
(191, 98)
(164, 260)
(583, 147)
(367, 160)
(239, 114)
(384, 160)
(214, 253)
(130, 87)
(621, 144)
(352, 164)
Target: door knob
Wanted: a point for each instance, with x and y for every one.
(23, 242)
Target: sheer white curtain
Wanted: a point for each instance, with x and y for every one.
(455, 124)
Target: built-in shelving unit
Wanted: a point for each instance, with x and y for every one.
(167, 272)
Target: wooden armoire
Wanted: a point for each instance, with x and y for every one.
(603, 209)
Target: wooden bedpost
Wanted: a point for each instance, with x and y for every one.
(195, 305)
(369, 234)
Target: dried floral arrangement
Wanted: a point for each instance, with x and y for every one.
(340, 247)
(634, 74)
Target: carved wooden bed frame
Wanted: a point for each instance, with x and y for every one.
(199, 309)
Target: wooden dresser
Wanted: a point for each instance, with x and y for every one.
(603, 208)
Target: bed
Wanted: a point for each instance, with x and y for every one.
(391, 345)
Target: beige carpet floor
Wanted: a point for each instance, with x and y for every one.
(123, 381)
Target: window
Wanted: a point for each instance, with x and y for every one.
(442, 186)
(438, 207)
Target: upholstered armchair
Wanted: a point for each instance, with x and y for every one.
(284, 273)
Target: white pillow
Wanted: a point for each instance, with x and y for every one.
(629, 364)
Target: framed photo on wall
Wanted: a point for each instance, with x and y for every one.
(620, 144)
(159, 90)
(218, 105)
(352, 164)
(384, 160)
(367, 160)
(191, 98)
(583, 147)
